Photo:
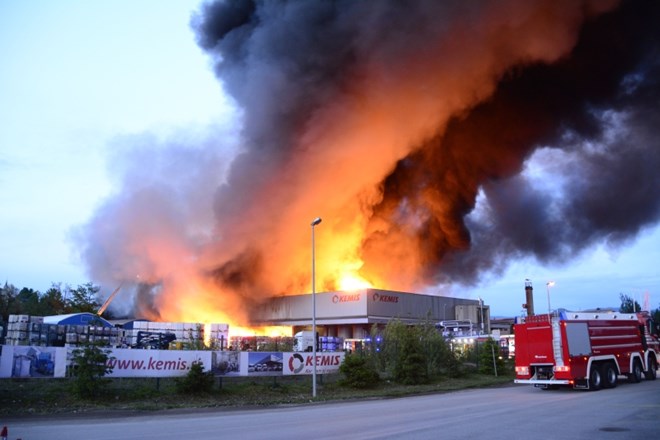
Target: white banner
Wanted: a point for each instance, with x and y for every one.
(303, 363)
(33, 361)
(155, 363)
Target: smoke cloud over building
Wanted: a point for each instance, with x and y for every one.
(417, 130)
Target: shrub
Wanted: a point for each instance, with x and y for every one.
(404, 353)
(90, 365)
(414, 354)
(196, 381)
(452, 366)
(358, 373)
(412, 370)
(490, 358)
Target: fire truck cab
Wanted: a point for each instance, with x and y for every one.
(585, 350)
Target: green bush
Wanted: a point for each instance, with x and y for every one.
(413, 354)
(358, 373)
(439, 357)
(452, 366)
(196, 381)
(89, 366)
(412, 370)
(405, 353)
(490, 358)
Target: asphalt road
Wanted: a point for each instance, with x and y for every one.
(630, 411)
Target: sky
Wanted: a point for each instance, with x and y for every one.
(75, 77)
(78, 78)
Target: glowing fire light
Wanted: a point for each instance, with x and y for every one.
(393, 158)
(353, 282)
(272, 331)
(207, 334)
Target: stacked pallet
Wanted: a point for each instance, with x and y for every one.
(18, 329)
(80, 334)
(186, 334)
(31, 330)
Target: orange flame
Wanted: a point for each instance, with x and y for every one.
(272, 331)
(260, 247)
(351, 281)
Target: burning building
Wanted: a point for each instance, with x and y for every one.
(420, 131)
(352, 314)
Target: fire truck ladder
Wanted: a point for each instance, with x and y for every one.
(109, 300)
(556, 342)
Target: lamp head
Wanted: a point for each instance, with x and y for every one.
(316, 221)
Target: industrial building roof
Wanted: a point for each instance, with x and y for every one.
(365, 306)
(83, 318)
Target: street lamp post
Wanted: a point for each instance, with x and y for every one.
(315, 222)
(548, 285)
(481, 303)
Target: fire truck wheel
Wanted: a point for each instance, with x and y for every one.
(609, 375)
(595, 378)
(636, 375)
(652, 372)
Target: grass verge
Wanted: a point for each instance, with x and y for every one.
(33, 397)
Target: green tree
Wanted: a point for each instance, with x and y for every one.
(489, 358)
(440, 360)
(89, 367)
(412, 369)
(53, 301)
(628, 304)
(414, 353)
(9, 304)
(404, 354)
(84, 298)
(451, 364)
(388, 345)
(358, 372)
(28, 300)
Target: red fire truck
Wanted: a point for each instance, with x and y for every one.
(585, 350)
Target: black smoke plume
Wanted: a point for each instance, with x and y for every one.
(439, 140)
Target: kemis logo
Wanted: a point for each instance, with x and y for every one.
(296, 363)
(346, 298)
(385, 298)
